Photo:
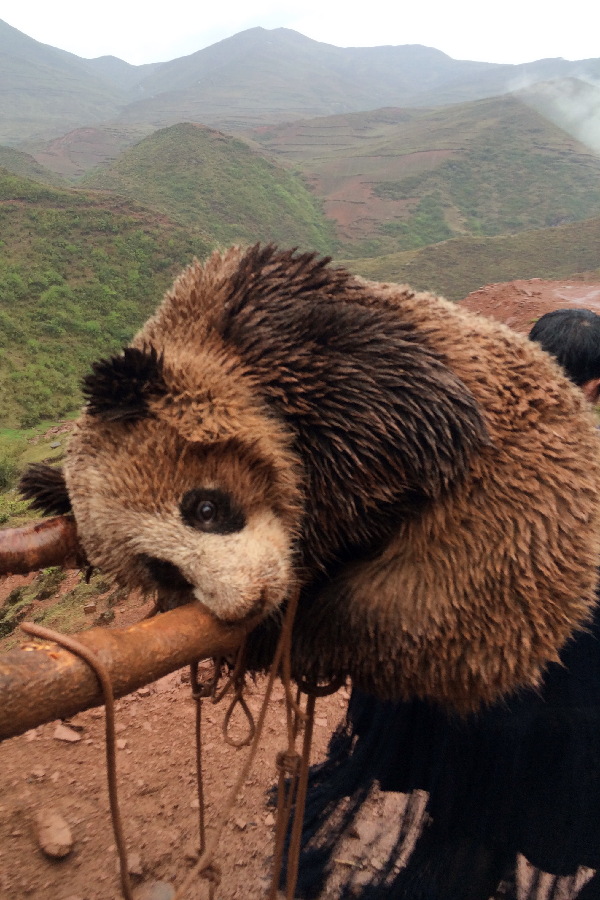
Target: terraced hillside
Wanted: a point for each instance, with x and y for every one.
(399, 179)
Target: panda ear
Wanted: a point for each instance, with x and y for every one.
(119, 388)
(46, 488)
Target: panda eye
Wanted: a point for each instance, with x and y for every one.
(206, 511)
(212, 511)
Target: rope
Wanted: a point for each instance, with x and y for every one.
(103, 677)
(206, 858)
(293, 767)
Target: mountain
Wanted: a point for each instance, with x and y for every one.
(255, 77)
(205, 179)
(457, 267)
(398, 179)
(261, 75)
(46, 92)
(123, 75)
(79, 273)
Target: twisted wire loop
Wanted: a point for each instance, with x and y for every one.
(306, 686)
(103, 677)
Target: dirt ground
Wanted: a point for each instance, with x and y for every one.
(520, 303)
(156, 765)
(41, 772)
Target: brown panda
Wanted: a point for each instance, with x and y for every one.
(426, 477)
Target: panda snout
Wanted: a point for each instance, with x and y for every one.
(165, 574)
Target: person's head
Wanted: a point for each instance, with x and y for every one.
(572, 337)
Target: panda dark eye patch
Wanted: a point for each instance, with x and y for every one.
(212, 511)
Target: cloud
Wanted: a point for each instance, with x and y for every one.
(571, 103)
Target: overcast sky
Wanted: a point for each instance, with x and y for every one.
(511, 31)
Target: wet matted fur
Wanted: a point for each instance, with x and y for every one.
(427, 477)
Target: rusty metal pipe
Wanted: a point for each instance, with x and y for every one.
(41, 682)
(44, 542)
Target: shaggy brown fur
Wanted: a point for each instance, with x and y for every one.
(429, 478)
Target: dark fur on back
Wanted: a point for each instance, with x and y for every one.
(381, 424)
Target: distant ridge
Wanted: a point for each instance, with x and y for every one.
(255, 77)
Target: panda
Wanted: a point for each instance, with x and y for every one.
(425, 478)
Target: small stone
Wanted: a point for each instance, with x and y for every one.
(134, 864)
(38, 772)
(121, 744)
(240, 823)
(195, 803)
(31, 735)
(53, 834)
(155, 890)
(269, 819)
(54, 777)
(63, 733)
(54, 445)
(145, 692)
(321, 721)
(90, 607)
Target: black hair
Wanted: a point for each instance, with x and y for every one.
(572, 336)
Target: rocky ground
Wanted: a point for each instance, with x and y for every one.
(54, 797)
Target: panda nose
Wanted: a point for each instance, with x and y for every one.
(165, 573)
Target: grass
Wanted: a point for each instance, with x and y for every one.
(456, 267)
(205, 179)
(79, 273)
(18, 449)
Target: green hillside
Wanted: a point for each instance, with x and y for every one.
(205, 179)
(457, 267)
(401, 179)
(79, 273)
(19, 163)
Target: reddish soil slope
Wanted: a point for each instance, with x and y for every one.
(520, 303)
